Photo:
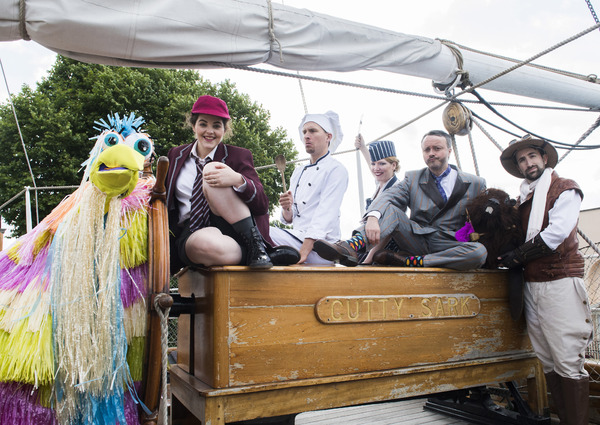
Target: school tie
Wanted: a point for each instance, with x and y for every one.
(438, 183)
(200, 212)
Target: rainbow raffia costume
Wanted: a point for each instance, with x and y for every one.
(73, 294)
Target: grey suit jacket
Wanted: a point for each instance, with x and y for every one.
(428, 212)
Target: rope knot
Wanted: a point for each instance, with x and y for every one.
(272, 37)
(22, 23)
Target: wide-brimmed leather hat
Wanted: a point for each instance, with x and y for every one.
(507, 158)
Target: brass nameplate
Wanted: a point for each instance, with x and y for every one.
(382, 308)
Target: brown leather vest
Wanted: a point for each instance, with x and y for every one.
(566, 261)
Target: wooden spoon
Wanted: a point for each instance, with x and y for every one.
(280, 163)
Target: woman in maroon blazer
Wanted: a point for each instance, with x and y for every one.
(218, 209)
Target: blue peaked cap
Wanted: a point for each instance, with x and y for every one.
(381, 149)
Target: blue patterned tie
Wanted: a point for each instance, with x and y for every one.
(200, 212)
(438, 183)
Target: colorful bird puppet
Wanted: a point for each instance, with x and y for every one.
(73, 294)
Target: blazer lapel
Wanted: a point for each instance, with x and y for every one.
(460, 188)
(430, 189)
(391, 182)
(221, 153)
(174, 170)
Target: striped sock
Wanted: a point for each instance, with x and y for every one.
(414, 261)
(357, 242)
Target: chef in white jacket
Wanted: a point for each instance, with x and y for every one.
(312, 205)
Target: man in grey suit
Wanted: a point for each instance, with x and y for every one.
(437, 197)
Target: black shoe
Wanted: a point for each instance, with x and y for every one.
(340, 251)
(390, 258)
(256, 257)
(283, 255)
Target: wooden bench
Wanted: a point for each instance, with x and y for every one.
(300, 338)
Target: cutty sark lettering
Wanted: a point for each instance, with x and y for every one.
(351, 309)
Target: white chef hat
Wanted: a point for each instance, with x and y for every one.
(330, 122)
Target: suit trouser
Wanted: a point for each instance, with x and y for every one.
(559, 323)
(438, 248)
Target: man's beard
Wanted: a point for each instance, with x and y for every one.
(537, 176)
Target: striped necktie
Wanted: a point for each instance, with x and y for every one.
(200, 212)
(438, 183)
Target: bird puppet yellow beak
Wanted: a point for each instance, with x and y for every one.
(116, 170)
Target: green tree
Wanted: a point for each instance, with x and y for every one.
(57, 122)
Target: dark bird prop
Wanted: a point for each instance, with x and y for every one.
(493, 220)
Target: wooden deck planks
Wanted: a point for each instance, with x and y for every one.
(404, 412)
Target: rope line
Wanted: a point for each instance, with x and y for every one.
(473, 152)
(14, 110)
(272, 37)
(12, 199)
(471, 89)
(589, 241)
(561, 144)
(590, 78)
(462, 76)
(455, 149)
(531, 59)
(22, 22)
(484, 131)
(383, 89)
(164, 343)
(589, 3)
(583, 137)
(302, 93)
(495, 125)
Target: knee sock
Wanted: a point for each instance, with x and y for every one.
(414, 261)
(357, 242)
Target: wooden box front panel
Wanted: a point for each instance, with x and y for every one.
(264, 326)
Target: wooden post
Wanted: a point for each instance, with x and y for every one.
(158, 282)
(2, 238)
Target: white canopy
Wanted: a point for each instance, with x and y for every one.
(198, 33)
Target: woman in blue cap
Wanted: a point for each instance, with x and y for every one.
(381, 158)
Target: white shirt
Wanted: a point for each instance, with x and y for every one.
(449, 181)
(185, 182)
(318, 190)
(562, 218)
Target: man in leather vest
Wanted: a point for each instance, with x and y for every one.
(557, 310)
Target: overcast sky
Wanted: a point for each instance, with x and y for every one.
(510, 28)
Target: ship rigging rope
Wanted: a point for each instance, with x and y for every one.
(560, 145)
(272, 37)
(383, 89)
(164, 345)
(470, 89)
(527, 61)
(455, 150)
(484, 131)
(583, 137)
(590, 77)
(589, 3)
(473, 151)
(589, 241)
(37, 214)
(498, 75)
